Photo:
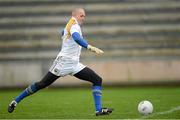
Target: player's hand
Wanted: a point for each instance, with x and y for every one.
(95, 49)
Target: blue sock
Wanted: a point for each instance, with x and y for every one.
(28, 91)
(97, 97)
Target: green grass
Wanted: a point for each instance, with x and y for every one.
(75, 103)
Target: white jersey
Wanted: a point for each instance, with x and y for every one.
(69, 47)
(67, 61)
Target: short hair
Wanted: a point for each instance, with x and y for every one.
(76, 10)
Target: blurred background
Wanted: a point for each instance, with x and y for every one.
(141, 40)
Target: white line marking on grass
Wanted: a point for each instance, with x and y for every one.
(164, 112)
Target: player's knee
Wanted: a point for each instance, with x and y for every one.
(40, 85)
(97, 81)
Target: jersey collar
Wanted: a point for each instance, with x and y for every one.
(75, 19)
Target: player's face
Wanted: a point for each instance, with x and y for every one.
(81, 17)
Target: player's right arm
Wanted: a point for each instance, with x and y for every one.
(82, 42)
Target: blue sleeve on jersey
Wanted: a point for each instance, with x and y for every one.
(82, 42)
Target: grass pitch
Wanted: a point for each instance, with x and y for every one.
(76, 103)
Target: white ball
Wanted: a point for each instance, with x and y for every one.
(145, 107)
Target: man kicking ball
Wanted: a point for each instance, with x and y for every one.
(67, 63)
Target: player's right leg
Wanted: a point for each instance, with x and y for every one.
(89, 75)
(48, 79)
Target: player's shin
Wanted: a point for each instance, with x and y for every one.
(28, 91)
(97, 97)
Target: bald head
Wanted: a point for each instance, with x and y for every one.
(77, 11)
(79, 14)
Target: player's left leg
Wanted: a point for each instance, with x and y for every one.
(89, 75)
(48, 79)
